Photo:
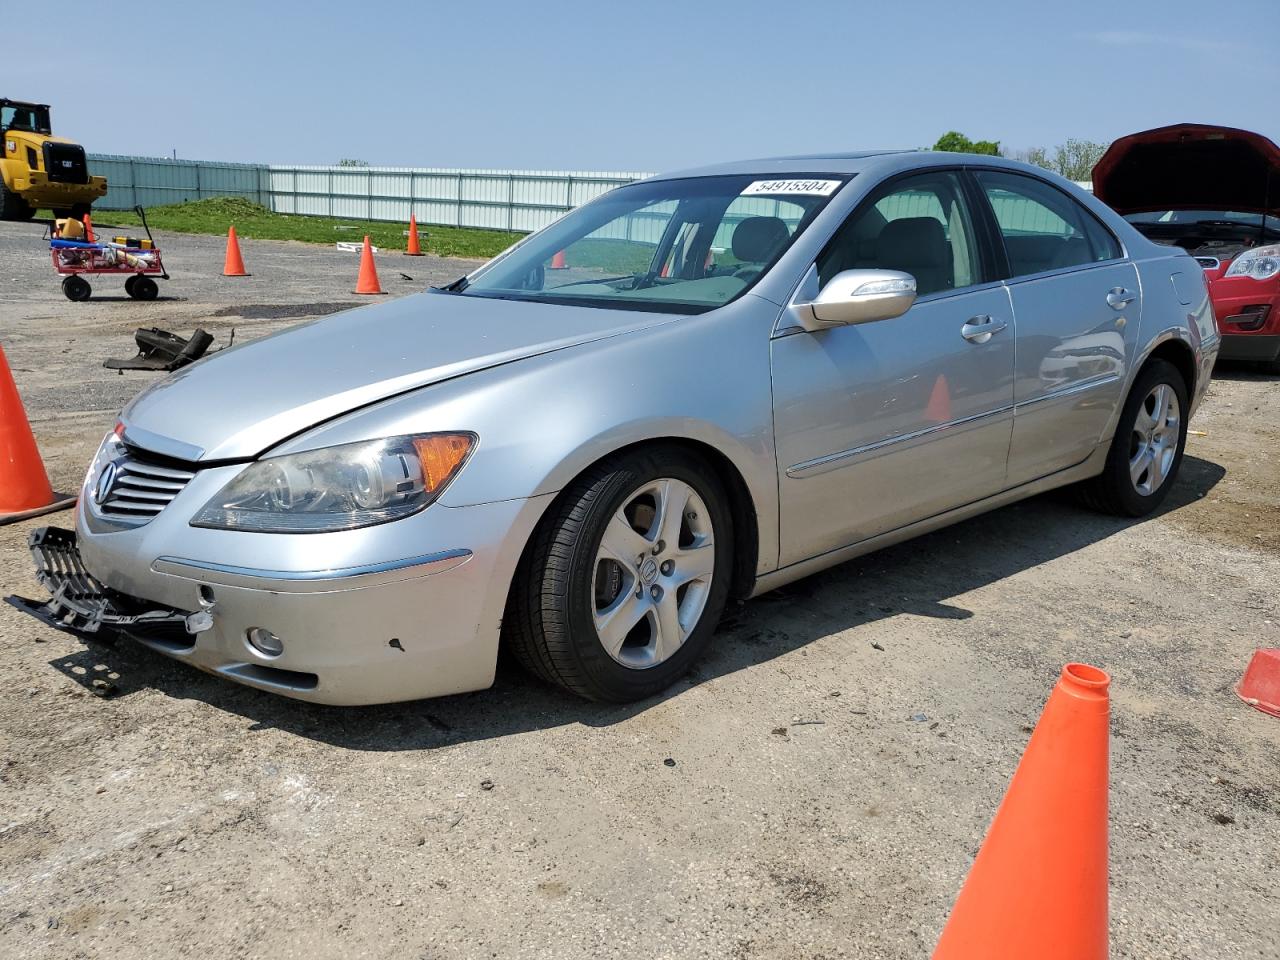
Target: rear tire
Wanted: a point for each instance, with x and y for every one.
(608, 602)
(1146, 451)
(76, 288)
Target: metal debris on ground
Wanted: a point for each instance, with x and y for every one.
(161, 350)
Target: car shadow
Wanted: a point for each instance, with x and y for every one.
(917, 577)
(1242, 371)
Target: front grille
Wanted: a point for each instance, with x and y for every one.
(1209, 263)
(140, 489)
(65, 162)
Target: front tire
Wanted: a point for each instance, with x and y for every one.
(76, 288)
(1146, 451)
(13, 207)
(625, 580)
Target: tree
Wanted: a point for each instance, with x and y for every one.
(955, 142)
(1074, 159)
(1038, 156)
(350, 162)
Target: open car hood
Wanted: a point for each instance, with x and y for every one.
(1190, 166)
(237, 403)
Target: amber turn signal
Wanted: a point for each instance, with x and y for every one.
(441, 455)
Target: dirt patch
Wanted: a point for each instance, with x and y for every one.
(283, 311)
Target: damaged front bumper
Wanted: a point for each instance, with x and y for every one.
(82, 606)
(359, 632)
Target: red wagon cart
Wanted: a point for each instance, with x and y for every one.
(136, 259)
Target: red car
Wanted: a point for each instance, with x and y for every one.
(1214, 191)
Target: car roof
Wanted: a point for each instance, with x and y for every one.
(838, 163)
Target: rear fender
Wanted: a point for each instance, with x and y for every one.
(1175, 309)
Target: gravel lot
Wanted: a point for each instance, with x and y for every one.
(806, 814)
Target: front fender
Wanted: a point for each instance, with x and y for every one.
(542, 421)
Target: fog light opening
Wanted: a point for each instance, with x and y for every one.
(1252, 317)
(264, 642)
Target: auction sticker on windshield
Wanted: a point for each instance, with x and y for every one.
(809, 188)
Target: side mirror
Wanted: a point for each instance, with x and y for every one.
(855, 296)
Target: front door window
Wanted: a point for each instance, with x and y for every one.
(919, 225)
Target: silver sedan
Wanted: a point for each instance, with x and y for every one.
(697, 387)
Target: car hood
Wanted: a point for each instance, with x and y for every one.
(240, 402)
(1190, 166)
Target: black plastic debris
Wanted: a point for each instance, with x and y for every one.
(161, 350)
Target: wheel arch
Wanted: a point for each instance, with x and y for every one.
(742, 506)
(1170, 346)
(1178, 352)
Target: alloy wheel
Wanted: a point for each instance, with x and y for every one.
(653, 573)
(1153, 447)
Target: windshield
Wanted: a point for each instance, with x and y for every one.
(679, 246)
(29, 117)
(1196, 216)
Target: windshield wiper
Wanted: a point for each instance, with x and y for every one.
(457, 286)
(577, 283)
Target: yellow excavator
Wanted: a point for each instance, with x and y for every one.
(38, 169)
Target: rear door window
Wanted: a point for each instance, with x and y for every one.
(1043, 229)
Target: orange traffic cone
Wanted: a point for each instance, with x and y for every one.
(1038, 887)
(234, 264)
(939, 408)
(1260, 685)
(88, 230)
(367, 282)
(24, 485)
(413, 249)
(558, 262)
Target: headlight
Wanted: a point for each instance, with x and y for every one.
(1261, 263)
(338, 488)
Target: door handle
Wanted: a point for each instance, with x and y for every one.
(1120, 298)
(981, 329)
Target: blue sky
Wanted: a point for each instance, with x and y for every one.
(642, 86)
